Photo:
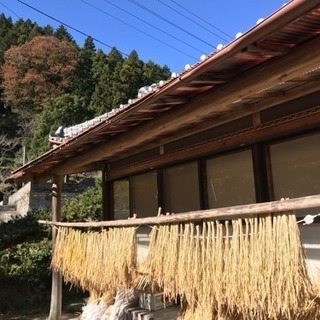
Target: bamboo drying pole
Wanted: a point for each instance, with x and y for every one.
(217, 214)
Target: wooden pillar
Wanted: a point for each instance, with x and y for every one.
(107, 196)
(104, 193)
(56, 289)
(260, 173)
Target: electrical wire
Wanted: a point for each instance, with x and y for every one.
(153, 26)
(170, 22)
(195, 22)
(172, 47)
(70, 27)
(208, 23)
(10, 10)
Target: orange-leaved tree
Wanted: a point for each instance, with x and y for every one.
(37, 71)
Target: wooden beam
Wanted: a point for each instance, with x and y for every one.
(213, 78)
(273, 72)
(56, 289)
(233, 212)
(227, 142)
(273, 49)
(168, 101)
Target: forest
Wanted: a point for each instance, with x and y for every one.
(48, 80)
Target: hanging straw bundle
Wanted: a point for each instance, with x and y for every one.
(248, 269)
(99, 262)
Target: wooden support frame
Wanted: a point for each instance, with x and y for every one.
(56, 289)
(233, 212)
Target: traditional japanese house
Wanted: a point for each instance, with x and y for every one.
(240, 127)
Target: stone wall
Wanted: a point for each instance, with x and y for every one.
(37, 196)
(20, 199)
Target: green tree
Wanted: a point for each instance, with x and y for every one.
(48, 30)
(6, 26)
(5, 42)
(86, 206)
(21, 31)
(100, 98)
(62, 34)
(153, 73)
(36, 31)
(131, 75)
(25, 253)
(83, 83)
(106, 74)
(66, 110)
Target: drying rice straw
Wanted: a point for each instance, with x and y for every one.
(99, 262)
(248, 269)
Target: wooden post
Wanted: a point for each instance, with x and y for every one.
(56, 289)
(260, 173)
(107, 196)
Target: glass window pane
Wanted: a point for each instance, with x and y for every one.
(296, 167)
(144, 194)
(230, 180)
(121, 205)
(181, 188)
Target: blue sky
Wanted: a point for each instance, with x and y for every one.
(153, 28)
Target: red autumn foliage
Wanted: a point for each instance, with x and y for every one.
(37, 71)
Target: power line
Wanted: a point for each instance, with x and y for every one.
(195, 22)
(10, 10)
(208, 23)
(170, 22)
(110, 15)
(153, 26)
(70, 27)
